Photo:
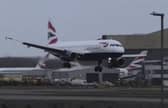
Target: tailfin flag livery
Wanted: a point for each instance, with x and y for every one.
(135, 64)
(51, 34)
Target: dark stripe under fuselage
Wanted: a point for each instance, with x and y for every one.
(99, 56)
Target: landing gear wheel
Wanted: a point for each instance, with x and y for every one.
(98, 69)
(67, 65)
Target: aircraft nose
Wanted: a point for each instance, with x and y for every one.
(119, 49)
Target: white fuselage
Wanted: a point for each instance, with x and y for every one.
(92, 46)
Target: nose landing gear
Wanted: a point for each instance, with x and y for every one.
(99, 68)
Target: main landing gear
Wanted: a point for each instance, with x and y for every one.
(99, 68)
(67, 65)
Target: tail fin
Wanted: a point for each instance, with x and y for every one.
(52, 38)
(41, 63)
(136, 63)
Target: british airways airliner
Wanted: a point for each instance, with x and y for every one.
(110, 51)
(19, 70)
(134, 67)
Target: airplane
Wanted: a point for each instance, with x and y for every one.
(134, 67)
(97, 52)
(20, 70)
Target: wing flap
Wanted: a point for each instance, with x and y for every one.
(54, 51)
(48, 49)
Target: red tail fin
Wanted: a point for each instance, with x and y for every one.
(136, 63)
(52, 38)
(50, 26)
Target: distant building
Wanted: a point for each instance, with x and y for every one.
(137, 42)
(141, 41)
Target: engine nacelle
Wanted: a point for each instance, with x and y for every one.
(113, 63)
(69, 56)
(123, 72)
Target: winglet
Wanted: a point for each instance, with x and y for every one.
(10, 38)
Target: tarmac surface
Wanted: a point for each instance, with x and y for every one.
(56, 93)
(45, 96)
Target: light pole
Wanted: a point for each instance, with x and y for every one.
(161, 15)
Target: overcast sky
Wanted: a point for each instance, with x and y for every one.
(26, 20)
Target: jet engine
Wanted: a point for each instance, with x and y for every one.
(68, 56)
(123, 73)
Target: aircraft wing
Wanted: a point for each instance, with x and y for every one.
(54, 51)
(142, 54)
(133, 55)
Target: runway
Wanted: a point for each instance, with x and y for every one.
(44, 93)
(98, 92)
(48, 96)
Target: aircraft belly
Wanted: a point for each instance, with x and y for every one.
(98, 56)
